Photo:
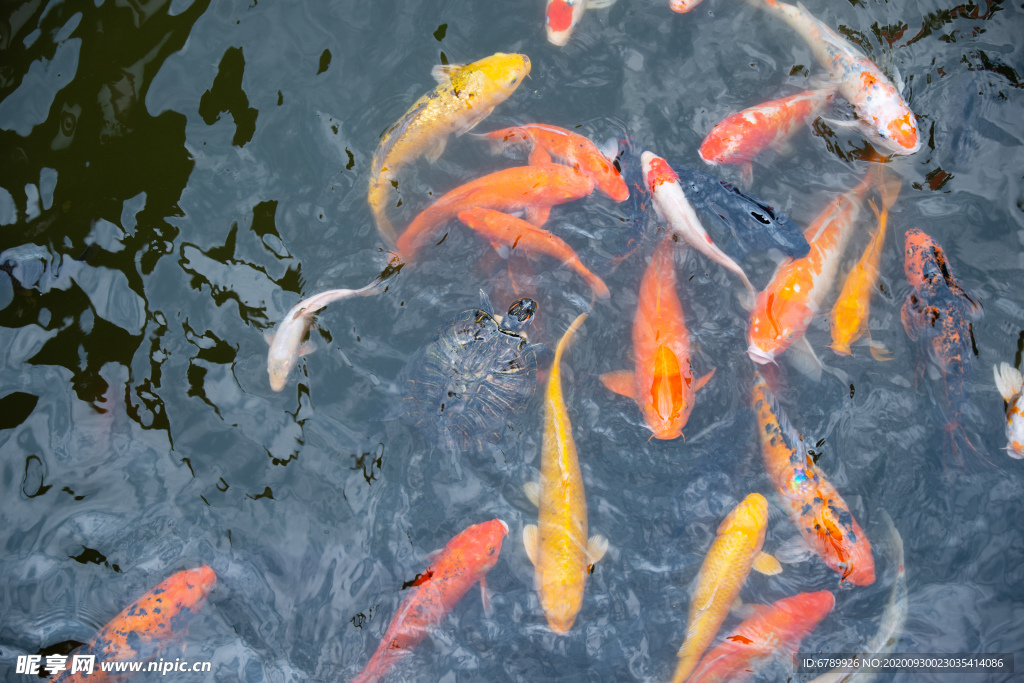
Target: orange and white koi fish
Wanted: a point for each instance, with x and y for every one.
(742, 136)
(562, 16)
(851, 310)
(813, 503)
(558, 546)
(735, 550)
(567, 148)
(675, 210)
(464, 96)
(784, 309)
(502, 230)
(1011, 388)
(884, 115)
(465, 560)
(533, 188)
(683, 6)
(286, 341)
(773, 632)
(662, 383)
(145, 626)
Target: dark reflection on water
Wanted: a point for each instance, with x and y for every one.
(139, 434)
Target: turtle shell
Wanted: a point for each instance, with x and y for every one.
(463, 386)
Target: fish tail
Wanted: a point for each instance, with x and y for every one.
(888, 185)
(687, 663)
(566, 339)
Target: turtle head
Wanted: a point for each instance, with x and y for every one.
(519, 315)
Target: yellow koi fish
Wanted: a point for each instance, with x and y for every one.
(735, 550)
(850, 312)
(558, 547)
(464, 96)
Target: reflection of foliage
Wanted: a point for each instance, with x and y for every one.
(226, 95)
(211, 350)
(936, 20)
(369, 463)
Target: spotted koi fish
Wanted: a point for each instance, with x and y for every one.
(813, 503)
(145, 626)
(465, 560)
(1011, 387)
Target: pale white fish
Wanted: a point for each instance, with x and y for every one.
(286, 340)
(1011, 388)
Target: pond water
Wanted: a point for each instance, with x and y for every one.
(177, 175)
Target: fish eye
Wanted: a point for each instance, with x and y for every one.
(514, 81)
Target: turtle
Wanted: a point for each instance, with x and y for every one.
(479, 369)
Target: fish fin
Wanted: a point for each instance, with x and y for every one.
(537, 216)
(746, 174)
(609, 148)
(532, 491)
(805, 360)
(307, 348)
(746, 611)
(442, 73)
(501, 249)
(472, 122)
(539, 156)
(766, 564)
(530, 541)
(889, 185)
(621, 382)
(597, 546)
(600, 4)
(842, 123)
(794, 551)
(878, 350)
(704, 380)
(436, 149)
(268, 336)
(1008, 380)
(488, 609)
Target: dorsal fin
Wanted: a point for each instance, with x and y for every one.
(443, 73)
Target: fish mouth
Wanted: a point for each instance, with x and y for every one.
(502, 523)
(759, 356)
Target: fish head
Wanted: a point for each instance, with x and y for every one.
(669, 403)
(480, 545)
(750, 517)
(561, 602)
(803, 611)
(724, 143)
(278, 367)
(188, 589)
(1015, 427)
(778, 318)
(656, 171)
(502, 74)
(683, 6)
(859, 567)
(888, 121)
(561, 18)
(920, 258)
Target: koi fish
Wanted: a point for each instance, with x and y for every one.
(557, 545)
(675, 210)
(740, 137)
(562, 16)
(464, 96)
(568, 148)
(735, 550)
(752, 222)
(936, 315)
(884, 115)
(533, 188)
(683, 6)
(286, 341)
(509, 232)
(1010, 384)
(893, 618)
(662, 384)
(146, 625)
(465, 560)
(773, 632)
(813, 503)
(850, 311)
(785, 308)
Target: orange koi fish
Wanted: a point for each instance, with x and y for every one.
(557, 545)
(683, 6)
(882, 113)
(774, 632)
(783, 310)
(735, 550)
(533, 188)
(662, 383)
(562, 16)
(146, 625)
(1011, 388)
(814, 505)
(568, 148)
(465, 560)
(937, 315)
(514, 233)
(850, 311)
(742, 136)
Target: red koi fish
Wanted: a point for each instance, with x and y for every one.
(502, 230)
(662, 383)
(465, 560)
(774, 631)
(146, 625)
(562, 16)
(567, 148)
(742, 136)
(533, 188)
(937, 315)
(882, 113)
(813, 503)
(784, 309)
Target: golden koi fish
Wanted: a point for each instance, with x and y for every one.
(464, 96)
(558, 547)
(735, 550)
